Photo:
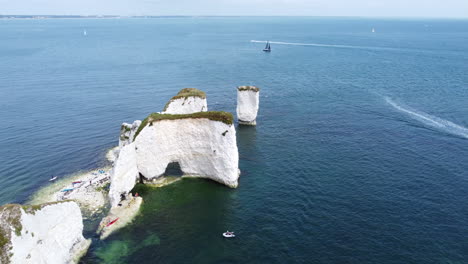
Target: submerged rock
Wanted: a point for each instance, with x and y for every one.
(127, 133)
(88, 189)
(48, 233)
(120, 216)
(247, 104)
(112, 154)
(187, 101)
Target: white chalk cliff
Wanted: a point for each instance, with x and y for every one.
(248, 98)
(124, 174)
(187, 101)
(204, 145)
(127, 133)
(48, 233)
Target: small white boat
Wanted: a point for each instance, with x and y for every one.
(228, 234)
(53, 178)
(373, 30)
(85, 33)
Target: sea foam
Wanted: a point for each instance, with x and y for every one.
(430, 120)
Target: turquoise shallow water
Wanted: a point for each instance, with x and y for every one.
(359, 156)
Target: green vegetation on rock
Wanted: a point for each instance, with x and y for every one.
(248, 88)
(104, 188)
(220, 116)
(10, 217)
(31, 209)
(186, 93)
(126, 128)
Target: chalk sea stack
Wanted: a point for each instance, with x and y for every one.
(49, 233)
(127, 133)
(204, 144)
(248, 98)
(187, 101)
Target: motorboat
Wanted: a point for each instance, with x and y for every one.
(53, 178)
(228, 234)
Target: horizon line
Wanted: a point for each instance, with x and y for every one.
(195, 16)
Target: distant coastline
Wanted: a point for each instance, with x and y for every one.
(81, 17)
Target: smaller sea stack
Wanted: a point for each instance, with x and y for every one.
(248, 98)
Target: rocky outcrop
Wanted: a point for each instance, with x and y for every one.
(247, 104)
(119, 216)
(124, 174)
(204, 145)
(48, 233)
(187, 101)
(127, 133)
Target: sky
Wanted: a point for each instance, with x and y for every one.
(366, 8)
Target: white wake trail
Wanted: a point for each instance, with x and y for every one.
(431, 120)
(323, 45)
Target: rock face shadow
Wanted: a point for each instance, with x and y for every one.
(246, 135)
(247, 143)
(173, 169)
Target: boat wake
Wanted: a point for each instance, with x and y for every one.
(325, 45)
(430, 120)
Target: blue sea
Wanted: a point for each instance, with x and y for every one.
(360, 153)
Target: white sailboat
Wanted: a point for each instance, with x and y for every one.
(267, 47)
(373, 30)
(85, 33)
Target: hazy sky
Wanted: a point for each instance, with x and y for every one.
(398, 8)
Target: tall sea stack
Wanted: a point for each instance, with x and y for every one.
(248, 98)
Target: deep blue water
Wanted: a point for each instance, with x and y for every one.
(360, 154)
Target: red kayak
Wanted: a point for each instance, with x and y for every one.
(115, 220)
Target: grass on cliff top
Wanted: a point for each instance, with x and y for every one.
(220, 116)
(10, 217)
(31, 209)
(186, 93)
(248, 88)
